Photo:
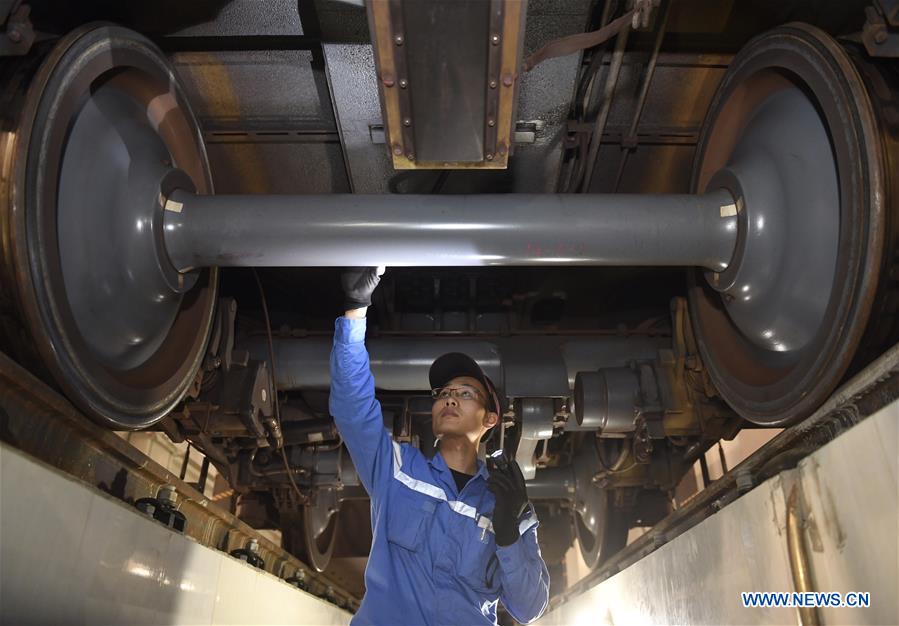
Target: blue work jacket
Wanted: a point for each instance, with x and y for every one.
(433, 557)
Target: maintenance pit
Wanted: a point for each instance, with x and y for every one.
(666, 230)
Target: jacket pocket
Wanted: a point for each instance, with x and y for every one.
(407, 519)
(478, 565)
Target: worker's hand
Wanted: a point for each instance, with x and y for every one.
(507, 485)
(358, 285)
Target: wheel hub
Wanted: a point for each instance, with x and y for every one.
(124, 293)
(777, 285)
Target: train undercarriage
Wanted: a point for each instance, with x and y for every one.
(651, 243)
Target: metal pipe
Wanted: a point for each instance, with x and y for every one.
(339, 230)
(582, 99)
(644, 91)
(608, 94)
(800, 568)
(402, 363)
(552, 483)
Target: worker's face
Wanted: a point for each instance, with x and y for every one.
(459, 415)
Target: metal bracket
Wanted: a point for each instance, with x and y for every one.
(536, 425)
(19, 35)
(880, 34)
(418, 104)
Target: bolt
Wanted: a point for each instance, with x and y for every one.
(403, 83)
(744, 480)
(491, 122)
(489, 156)
(388, 81)
(253, 546)
(493, 83)
(398, 151)
(146, 507)
(264, 395)
(407, 122)
(398, 40)
(410, 156)
(167, 495)
(508, 80)
(495, 40)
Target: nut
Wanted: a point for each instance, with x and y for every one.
(167, 494)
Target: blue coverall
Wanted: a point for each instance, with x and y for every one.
(433, 556)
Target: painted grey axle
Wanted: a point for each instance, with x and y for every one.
(450, 230)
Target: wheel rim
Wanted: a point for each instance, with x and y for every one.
(320, 535)
(126, 387)
(599, 532)
(311, 533)
(767, 380)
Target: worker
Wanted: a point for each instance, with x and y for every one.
(449, 540)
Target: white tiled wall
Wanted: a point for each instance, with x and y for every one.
(73, 555)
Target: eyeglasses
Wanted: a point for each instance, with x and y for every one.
(459, 393)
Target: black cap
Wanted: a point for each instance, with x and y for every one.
(455, 364)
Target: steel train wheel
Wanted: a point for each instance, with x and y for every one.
(311, 535)
(97, 133)
(600, 528)
(779, 332)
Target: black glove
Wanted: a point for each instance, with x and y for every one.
(507, 484)
(358, 285)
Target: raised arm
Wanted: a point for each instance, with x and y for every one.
(352, 401)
